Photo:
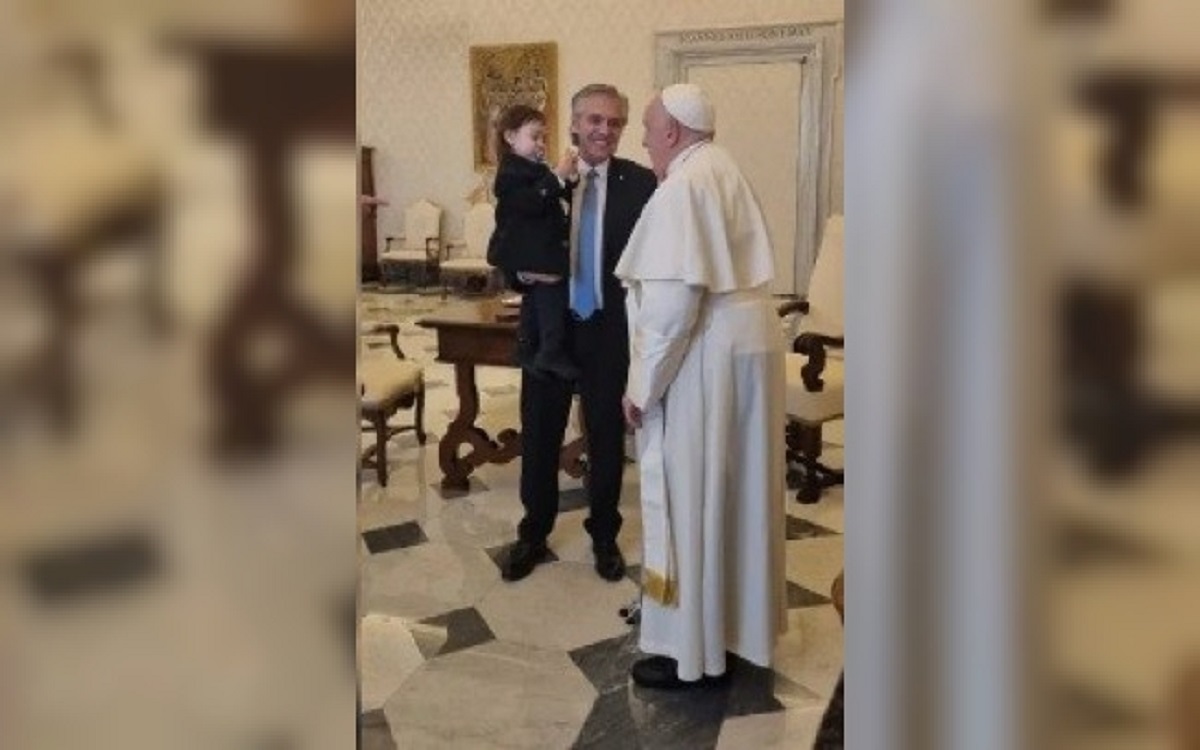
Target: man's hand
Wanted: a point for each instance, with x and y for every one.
(633, 415)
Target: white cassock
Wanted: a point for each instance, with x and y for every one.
(706, 368)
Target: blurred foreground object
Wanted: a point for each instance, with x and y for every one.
(152, 596)
(1121, 184)
(309, 98)
(74, 185)
(1022, 384)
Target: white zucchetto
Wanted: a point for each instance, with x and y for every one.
(688, 103)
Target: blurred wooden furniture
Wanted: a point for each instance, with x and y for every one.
(1132, 99)
(838, 592)
(481, 333)
(272, 94)
(386, 384)
(816, 380)
(75, 187)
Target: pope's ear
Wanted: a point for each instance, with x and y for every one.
(674, 131)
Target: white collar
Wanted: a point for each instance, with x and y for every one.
(685, 154)
(601, 168)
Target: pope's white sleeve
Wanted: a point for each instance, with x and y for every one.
(659, 335)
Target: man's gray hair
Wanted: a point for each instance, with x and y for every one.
(599, 89)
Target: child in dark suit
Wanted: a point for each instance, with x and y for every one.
(530, 243)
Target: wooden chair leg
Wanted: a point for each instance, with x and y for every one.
(838, 594)
(805, 472)
(810, 451)
(381, 434)
(810, 488)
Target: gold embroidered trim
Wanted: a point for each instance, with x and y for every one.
(658, 588)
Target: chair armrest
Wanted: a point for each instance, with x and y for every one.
(393, 332)
(813, 346)
(793, 306)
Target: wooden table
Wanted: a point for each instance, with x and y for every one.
(481, 333)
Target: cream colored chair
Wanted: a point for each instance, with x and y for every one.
(388, 382)
(816, 376)
(471, 264)
(419, 256)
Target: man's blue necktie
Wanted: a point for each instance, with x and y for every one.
(583, 285)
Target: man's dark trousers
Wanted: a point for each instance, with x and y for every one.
(599, 345)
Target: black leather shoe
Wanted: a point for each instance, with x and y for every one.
(523, 557)
(659, 673)
(610, 564)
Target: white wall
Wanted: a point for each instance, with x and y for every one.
(413, 77)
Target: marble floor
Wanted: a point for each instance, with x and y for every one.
(452, 656)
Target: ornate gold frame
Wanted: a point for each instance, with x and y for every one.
(509, 74)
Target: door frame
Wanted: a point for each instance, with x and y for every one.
(817, 46)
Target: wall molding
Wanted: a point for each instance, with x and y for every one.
(818, 47)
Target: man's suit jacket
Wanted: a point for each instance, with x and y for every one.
(629, 186)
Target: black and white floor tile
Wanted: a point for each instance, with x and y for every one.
(453, 656)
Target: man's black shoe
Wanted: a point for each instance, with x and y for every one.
(610, 564)
(523, 557)
(659, 673)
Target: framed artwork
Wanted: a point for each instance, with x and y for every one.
(509, 74)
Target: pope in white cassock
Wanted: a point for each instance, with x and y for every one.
(705, 392)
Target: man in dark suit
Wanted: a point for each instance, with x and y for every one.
(605, 206)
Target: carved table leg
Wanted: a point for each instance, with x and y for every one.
(463, 430)
(455, 469)
(571, 459)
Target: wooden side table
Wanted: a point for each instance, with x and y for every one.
(481, 334)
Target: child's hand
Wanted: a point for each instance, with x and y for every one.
(568, 165)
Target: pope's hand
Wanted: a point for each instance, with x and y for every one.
(633, 415)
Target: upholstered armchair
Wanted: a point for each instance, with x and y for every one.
(470, 264)
(815, 367)
(388, 382)
(420, 247)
